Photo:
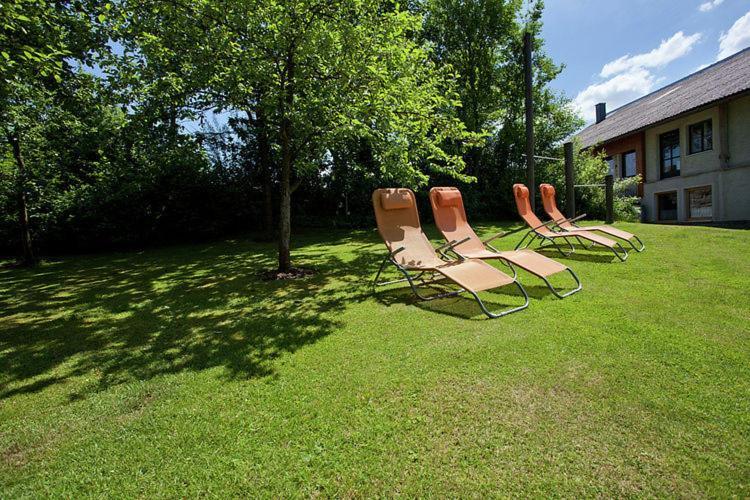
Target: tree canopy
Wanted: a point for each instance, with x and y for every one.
(143, 121)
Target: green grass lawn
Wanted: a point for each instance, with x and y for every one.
(179, 372)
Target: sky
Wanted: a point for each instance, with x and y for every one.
(615, 51)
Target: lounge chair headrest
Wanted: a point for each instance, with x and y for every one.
(396, 200)
(449, 197)
(520, 191)
(548, 190)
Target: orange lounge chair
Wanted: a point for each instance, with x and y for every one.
(542, 231)
(411, 252)
(550, 206)
(450, 219)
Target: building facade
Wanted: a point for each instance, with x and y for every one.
(689, 142)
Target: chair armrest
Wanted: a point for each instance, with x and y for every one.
(456, 243)
(491, 238)
(447, 247)
(571, 220)
(444, 246)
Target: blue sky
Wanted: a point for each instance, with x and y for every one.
(615, 51)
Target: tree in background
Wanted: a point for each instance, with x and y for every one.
(326, 101)
(41, 45)
(317, 72)
(483, 41)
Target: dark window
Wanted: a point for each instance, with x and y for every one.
(611, 164)
(669, 151)
(699, 203)
(628, 164)
(701, 137)
(667, 206)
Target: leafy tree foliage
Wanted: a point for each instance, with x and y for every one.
(309, 73)
(318, 102)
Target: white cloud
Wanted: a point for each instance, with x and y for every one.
(710, 5)
(736, 39)
(619, 90)
(669, 50)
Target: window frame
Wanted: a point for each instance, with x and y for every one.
(674, 172)
(700, 124)
(676, 209)
(687, 203)
(622, 166)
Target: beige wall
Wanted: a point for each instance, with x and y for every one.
(694, 164)
(730, 185)
(738, 122)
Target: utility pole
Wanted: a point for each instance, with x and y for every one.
(529, 106)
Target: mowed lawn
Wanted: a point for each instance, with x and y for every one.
(178, 372)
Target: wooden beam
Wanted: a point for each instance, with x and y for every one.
(570, 181)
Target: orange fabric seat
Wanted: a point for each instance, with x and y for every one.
(521, 195)
(450, 219)
(550, 207)
(409, 249)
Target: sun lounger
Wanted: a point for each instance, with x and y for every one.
(540, 230)
(550, 206)
(413, 255)
(450, 219)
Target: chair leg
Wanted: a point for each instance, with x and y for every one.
(557, 247)
(622, 254)
(559, 295)
(428, 297)
(492, 315)
(508, 264)
(380, 270)
(583, 244)
(643, 247)
(524, 239)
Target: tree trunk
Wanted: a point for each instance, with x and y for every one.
(285, 208)
(266, 164)
(28, 257)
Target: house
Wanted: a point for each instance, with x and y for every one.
(689, 141)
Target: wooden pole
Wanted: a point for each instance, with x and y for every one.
(529, 107)
(609, 196)
(570, 180)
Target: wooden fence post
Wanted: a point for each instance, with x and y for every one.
(609, 195)
(570, 180)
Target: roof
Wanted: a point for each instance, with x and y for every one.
(724, 79)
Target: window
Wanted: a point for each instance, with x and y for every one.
(611, 164)
(699, 203)
(701, 137)
(628, 164)
(666, 204)
(669, 150)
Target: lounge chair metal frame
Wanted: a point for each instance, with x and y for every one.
(506, 262)
(451, 221)
(622, 254)
(584, 228)
(578, 288)
(412, 280)
(554, 212)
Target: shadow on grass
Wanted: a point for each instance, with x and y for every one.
(135, 316)
(461, 306)
(578, 255)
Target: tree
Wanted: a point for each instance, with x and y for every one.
(471, 37)
(316, 72)
(39, 40)
(483, 41)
